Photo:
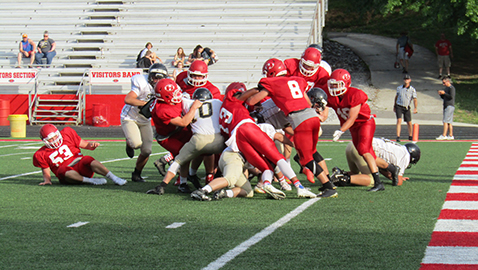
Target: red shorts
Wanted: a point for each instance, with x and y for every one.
(306, 136)
(257, 147)
(83, 167)
(362, 136)
(174, 143)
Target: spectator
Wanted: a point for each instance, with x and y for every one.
(402, 41)
(444, 53)
(209, 56)
(179, 57)
(195, 55)
(448, 96)
(46, 49)
(61, 155)
(142, 53)
(27, 49)
(180, 68)
(405, 94)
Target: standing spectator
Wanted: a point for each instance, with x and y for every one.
(62, 155)
(444, 53)
(448, 96)
(195, 55)
(405, 94)
(402, 41)
(180, 56)
(142, 53)
(136, 127)
(27, 49)
(46, 49)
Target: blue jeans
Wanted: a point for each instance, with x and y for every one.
(49, 56)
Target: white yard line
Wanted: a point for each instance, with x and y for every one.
(231, 254)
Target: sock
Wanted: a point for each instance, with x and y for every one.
(168, 157)
(297, 184)
(229, 193)
(110, 175)
(207, 188)
(376, 178)
(328, 185)
(183, 180)
(137, 172)
(163, 184)
(192, 171)
(282, 179)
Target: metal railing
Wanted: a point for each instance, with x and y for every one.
(318, 22)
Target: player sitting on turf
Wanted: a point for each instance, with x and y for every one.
(61, 155)
(392, 159)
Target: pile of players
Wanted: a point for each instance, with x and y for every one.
(247, 131)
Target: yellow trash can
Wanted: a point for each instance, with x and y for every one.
(18, 125)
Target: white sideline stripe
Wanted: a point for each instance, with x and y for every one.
(461, 205)
(175, 225)
(107, 161)
(16, 154)
(465, 177)
(456, 225)
(451, 255)
(23, 144)
(23, 158)
(463, 189)
(78, 224)
(231, 254)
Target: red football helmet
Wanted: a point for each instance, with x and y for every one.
(273, 68)
(168, 91)
(339, 82)
(51, 136)
(310, 61)
(236, 85)
(198, 68)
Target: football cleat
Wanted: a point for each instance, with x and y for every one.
(339, 177)
(159, 190)
(98, 181)
(274, 192)
(200, 195)
(119, 181)
(441, 138)
(136, 177)
(194, 179)
(377, 187)
(220, 194)
(305, 193)
(184, 188)
(129, 151)
(394, 174)
(160, 164)
(258, 189)
(284, 185)
(328, 193)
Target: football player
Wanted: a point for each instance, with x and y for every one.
(136, 127)
(171, 127)
(196, 77)
(206, 138)
(62, 155)
(352, 109)
(392, 159)
(289, 94)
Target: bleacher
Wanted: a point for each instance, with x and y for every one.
(110, 33)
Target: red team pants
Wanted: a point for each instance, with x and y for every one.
(174, 143)
(257, 147)
(362, 136)
(306, 136)
(83, 167)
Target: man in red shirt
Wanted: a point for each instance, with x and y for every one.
(61, 155)
(289, 94)
(444, 53)
(352, 109)
(196, 77)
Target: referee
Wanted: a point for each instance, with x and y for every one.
(405, 94)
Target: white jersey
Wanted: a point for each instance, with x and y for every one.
(392, 152)
(273, 115)
(144, 90)
(206, 118)
(326, 66)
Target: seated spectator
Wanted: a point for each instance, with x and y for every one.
(27, 49)
(142, 53)
(149, 59)
(180, 68)
(179, 57)
(196, 55)
(209, 56)
(45, 49)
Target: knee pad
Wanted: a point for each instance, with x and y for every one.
(314, 167)
(317, 157)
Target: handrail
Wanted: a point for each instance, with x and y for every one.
(80, 93)
(318, 22)
(32, 101)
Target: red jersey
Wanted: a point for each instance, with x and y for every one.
(162, 114)
(182, 81)
(62, 156)
(232, 113)
(443, 47)
(286, 92)
(319, 79)
(350, 99)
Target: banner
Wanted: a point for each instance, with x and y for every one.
(113, 76)
(18, 76)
